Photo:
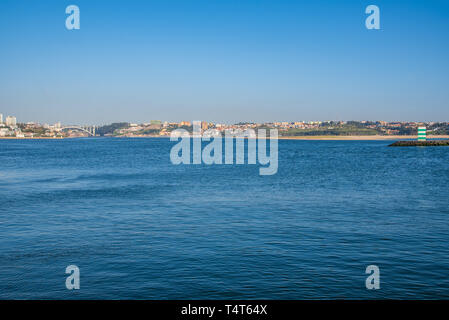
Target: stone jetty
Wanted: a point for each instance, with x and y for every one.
(412, 143)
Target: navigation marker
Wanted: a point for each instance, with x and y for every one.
(422, 134)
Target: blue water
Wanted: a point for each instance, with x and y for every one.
(139, 227)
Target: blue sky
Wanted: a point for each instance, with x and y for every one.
(224, 61)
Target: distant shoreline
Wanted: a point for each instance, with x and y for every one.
(346, 138)
(32, 138)
(374, 137)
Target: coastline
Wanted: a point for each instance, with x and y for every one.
(324, 138)
(348, 138)
(32, 138)
(355, 138)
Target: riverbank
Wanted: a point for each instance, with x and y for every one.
(375, 137)
(31, 138)
(348, 138)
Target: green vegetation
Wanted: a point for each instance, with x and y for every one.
(347, 131)
(38, 132)
(150, 131)
(438, 129)
(110, 128)
(187, 128)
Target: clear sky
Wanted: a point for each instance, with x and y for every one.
(224, 61)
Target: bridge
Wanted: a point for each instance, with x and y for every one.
(90, 130)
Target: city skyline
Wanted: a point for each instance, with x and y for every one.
(189, 122)
(224, 61)
(12, 128)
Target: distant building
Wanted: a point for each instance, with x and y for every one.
(11, 121)
(1, 118)
(155, 126)
(204, 126)
(4, 132)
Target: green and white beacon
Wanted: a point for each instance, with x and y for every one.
(422, 134)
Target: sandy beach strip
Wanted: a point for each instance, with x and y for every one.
(374, 137)
(31, 138)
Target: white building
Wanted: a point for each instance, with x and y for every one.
(1, 118)
(11, 121)
(4, 132)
